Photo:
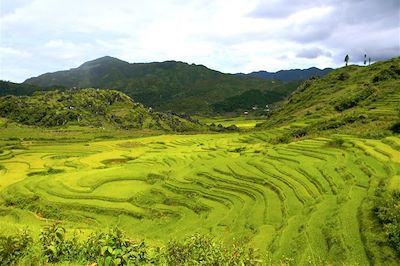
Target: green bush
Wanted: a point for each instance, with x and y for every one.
(336, 143)
(203, 250)
(387, 210)
(13, 247)
(343, 76)
(395, 127)
(113, 248)
(52, 239)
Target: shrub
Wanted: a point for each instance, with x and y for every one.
(395, 127)
(299, 133)
(52, 240)
(336, 143)
(203, 250)
(387, 211)
(113, 248)
(13, 247)
(343, 76)
(284, 138)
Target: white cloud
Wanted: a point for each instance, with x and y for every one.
(6, 52)
(230, 36)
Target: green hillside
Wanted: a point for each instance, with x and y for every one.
(255, 98)
(11, 88)
(88, 107)
(353, 99)
(170, 85)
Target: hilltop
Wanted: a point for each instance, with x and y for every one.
(89, 107)
(165, 86)
(353, 99)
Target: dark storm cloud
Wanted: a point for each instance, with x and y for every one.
(350, 27)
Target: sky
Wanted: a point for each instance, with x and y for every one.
(39, 36)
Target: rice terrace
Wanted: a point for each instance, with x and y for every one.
(304, 191)
(199, 133)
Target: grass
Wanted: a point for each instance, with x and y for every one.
(365, 103)
(277, 198)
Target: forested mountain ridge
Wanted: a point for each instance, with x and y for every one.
(165, 86)
(291, 74)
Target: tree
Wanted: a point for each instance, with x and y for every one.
(346, 59)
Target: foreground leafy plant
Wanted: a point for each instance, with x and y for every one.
(203, 250)
(14, 247)
(52, 239)
(113, 248)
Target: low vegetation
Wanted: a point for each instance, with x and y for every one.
(113, 247)
(89, 107)
(352, 100)
(387, 210)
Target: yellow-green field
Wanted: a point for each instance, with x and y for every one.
(304, 201)
(239, 121)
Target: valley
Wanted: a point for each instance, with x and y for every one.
(305, 185)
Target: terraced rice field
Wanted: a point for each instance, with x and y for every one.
(240, 121)
(300, 200)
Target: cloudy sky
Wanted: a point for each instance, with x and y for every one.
(38, 36)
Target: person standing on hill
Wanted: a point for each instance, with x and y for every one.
(365, 59)
(346, 59)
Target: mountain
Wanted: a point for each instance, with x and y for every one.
(11, 88)
(168, 85)
(353, 99)
(89, 107)
(290, 75)
(254, 99)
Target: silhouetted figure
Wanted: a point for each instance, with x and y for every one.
(365, 60)
(346, 59)
(369, 61)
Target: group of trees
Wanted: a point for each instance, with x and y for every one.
(347, 58)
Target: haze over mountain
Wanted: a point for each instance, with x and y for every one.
(168, 85)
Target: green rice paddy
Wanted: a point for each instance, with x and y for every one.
(241, 122)
(303, 201)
